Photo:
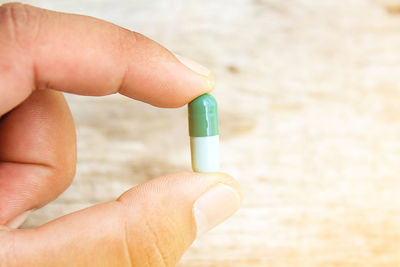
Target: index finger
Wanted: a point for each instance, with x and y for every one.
(87, 56)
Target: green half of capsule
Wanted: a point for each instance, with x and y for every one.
(203, 116)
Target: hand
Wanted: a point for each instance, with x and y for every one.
(44, 52)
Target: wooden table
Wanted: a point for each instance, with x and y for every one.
(309, 95)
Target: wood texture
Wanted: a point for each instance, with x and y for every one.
(309, 95)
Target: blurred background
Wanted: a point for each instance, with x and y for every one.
(309, 97)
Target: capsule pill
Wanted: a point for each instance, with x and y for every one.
(204, 134)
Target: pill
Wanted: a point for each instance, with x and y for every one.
(204, 134)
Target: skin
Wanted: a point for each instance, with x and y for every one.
(42, 53)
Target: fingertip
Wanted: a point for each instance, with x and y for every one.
(211, 82)
(223, 178)
(217, 196)
(169, 83)
(215, 206)
(206, 74)
(222, 199)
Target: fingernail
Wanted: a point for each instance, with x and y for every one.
(194, 66)
(214, 207)
(19, 220)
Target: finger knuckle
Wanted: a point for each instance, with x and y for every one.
(19, 23)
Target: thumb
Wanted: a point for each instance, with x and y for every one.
(149, 225)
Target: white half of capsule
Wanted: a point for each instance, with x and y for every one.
(205, 153)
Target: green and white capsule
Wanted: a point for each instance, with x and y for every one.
(204, 134)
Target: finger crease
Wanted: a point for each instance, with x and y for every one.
(126, 245)
(39, 164)
(157, 248)
(124, 77)
(127, 40)
(35, 81)
(11, 24)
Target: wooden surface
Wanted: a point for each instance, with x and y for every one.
(309, 95)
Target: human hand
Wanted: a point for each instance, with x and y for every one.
(44, 52)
